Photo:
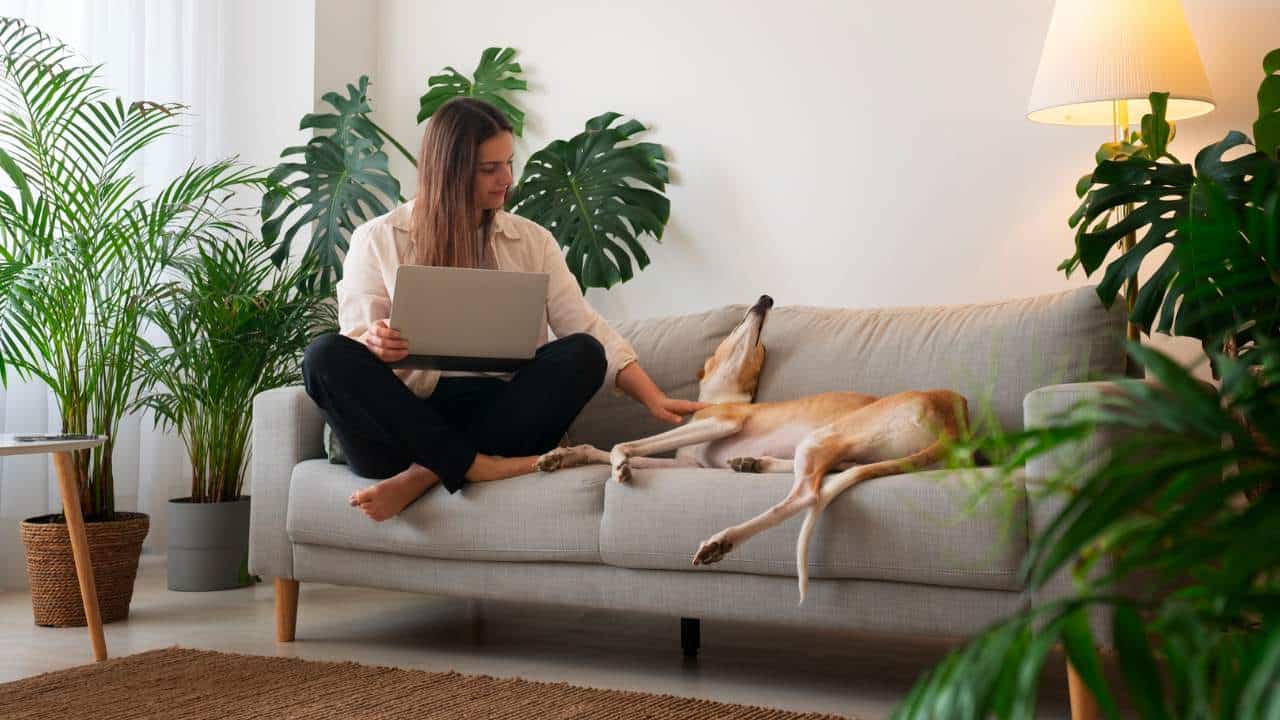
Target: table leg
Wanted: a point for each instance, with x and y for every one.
(66, 468)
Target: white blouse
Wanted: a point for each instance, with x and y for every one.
(382, 244)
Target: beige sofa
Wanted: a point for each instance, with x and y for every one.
(899, 554)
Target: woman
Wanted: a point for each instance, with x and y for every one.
(415, 428)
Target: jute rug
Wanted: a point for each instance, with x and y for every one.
(201, 685)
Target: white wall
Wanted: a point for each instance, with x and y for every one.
(849, 153)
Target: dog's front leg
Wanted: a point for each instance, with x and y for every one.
(695, 432)
(567, 457)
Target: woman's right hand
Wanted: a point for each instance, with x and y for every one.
(385, 342)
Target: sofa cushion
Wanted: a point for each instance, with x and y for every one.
(992, 353)
(553, 517)
(927, 527)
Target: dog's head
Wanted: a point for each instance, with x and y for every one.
(732, 372)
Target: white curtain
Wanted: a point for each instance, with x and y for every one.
(159, 50)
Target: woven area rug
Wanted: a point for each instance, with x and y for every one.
(201, 685)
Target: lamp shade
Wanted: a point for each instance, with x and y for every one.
(1101, 51)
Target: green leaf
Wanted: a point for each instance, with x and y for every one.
(598, 194)
(1083, 184)
(1079, 644)
(1271, 63)
(495, 78)
(1156, 131)
(336, 182)
(1138, 663)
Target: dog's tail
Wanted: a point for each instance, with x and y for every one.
(832, 488)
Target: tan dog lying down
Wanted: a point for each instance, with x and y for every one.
(861, 436)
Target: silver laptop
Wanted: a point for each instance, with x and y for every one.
(465, 319)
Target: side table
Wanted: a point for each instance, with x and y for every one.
(64, 464)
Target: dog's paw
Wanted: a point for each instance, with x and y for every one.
(554, 460)
(745, 465)
(712, 551)
(622, 472)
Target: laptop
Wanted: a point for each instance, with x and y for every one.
(468, 319)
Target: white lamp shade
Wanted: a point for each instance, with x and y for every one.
(1101, 51)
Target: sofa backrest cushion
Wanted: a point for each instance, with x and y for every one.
(992, 353)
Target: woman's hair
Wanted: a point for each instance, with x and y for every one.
(444, 214)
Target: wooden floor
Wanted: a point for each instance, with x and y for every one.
(854, 675)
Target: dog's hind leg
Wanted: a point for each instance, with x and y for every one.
(839, 483)
(815, 456)
(763, 464)
(766, 464)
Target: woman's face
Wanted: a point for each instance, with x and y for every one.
(493, 171)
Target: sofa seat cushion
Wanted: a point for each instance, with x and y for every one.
(535, 517)
(928, 527)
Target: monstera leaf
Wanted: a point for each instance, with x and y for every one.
(496, 74)
(590, 192)
(338, 181)
(1218, 214)
(1266, 131)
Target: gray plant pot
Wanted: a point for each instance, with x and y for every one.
(208, 543)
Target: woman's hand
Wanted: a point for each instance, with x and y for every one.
(385, 342)
(672, 409)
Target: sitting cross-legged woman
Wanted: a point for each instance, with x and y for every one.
(410, 429)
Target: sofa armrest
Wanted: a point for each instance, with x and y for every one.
(1047, 407)
(287, 429)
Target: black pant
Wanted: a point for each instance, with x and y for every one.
(384, 427)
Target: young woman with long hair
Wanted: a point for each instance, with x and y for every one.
(412, 429)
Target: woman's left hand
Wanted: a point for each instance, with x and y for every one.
(671, 410)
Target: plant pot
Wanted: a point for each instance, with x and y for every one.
(114, 547)
(208, 543)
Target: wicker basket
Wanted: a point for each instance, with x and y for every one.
(114, 547)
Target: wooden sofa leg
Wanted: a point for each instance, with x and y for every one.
(286, 609)
(1084, 706)
(690, 636)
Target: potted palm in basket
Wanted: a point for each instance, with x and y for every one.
(236, 326)
(83, 253)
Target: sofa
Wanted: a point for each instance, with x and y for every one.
(912, 553)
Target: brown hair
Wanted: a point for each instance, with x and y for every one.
(444, 213)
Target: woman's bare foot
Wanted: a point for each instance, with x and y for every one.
(387, 498)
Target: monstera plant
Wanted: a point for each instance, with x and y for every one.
(496, 75)
(339, 180)
(1218, 214)
(597, 192)
(590, 192)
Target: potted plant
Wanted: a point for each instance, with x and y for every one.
(235, 326)
(83, 254)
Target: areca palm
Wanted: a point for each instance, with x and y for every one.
(235, 326)
(83, 250)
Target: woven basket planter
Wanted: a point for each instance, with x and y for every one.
(114, 547)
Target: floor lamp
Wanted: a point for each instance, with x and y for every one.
(1101, 60)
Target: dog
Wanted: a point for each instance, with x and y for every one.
(857, 436)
